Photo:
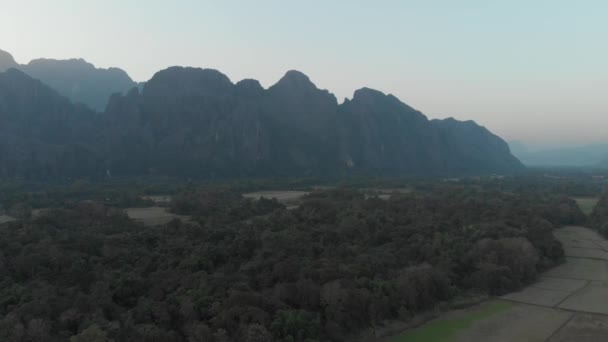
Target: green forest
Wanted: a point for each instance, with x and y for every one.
(240, 269)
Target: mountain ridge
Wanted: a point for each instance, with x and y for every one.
(192, 122)
(74, 78)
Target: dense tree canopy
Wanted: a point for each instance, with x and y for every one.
(599, 216)
(249, 270)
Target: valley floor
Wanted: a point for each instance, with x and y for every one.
(568, 303)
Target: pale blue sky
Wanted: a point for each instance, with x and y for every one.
(529, 70)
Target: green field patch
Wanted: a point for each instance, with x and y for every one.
(586, 204)
(446, 329)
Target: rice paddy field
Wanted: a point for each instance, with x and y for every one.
(447, 328)
(567, 303)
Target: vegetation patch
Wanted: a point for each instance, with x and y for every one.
(151, 216)
(586, 204)
(445, 329)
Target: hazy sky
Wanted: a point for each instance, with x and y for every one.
(531, 70)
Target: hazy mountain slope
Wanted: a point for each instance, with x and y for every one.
(472, 149)
(7, 61)
(382, 135)
(196, 123)
(42, 133)
(75, 78)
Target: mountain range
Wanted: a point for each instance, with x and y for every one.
(76, 79)
(191, 122)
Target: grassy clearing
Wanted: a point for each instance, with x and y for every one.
(446, 329)
(586, 204)
(152, 216)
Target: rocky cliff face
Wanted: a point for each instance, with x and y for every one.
(380, 134)
(197, 123)
(76, 79)
(472, 149)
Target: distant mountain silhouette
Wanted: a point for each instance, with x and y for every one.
(579, 156)
(7, 61)
(192, 122)
(42, 135)
(74, 78)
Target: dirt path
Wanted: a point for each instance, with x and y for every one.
(568, 303)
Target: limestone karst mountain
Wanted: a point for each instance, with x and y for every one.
(196, 123)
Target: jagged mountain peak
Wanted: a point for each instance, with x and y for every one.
(367, 92)
(188, 80)
(295, 76)
(296, 86)
(249, 87)
(295, 80)
(7, 61)
(190, 73)
(379, 102)
(76, 63)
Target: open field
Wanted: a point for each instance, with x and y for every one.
(158, 199)
(520, 322)
(446, 328)
(153, 216)
(567, 303)
(292, 198)
(586, 204)
(583, 327)
(289, 198)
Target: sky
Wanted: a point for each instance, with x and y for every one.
(529, 70)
